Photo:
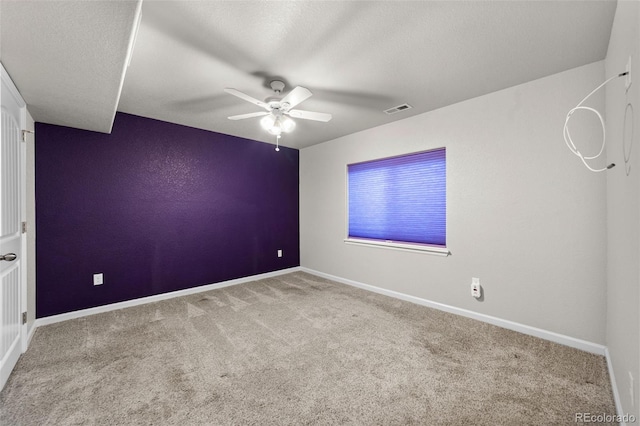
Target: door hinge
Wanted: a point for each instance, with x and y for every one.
(24, 227)
(24, 134)
(24, 317)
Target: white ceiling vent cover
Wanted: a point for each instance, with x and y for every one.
(397, 109)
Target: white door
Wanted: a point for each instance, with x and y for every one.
(11, 125)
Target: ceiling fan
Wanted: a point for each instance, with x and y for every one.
(279, 110)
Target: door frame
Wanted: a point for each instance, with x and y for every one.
(6, 78)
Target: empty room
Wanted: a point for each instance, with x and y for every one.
(319, 212)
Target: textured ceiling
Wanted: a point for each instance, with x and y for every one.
(358, 58)
(68, 58)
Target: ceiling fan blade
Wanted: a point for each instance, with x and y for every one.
(296, 96)
(246, 97)
(310, 115)
(250, 115)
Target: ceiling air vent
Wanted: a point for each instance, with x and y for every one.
(397, 109)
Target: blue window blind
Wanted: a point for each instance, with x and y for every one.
(400, 199)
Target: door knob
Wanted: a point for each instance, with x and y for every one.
(9, 257)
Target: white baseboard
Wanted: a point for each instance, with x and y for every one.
(149, 299)
(31, 332)
(614, 386)
(510, 325)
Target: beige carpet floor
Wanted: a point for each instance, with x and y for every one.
(296, 350)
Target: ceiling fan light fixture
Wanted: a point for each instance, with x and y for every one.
(276, 128)
(267, 122)
(277, 124)
(275, 131)
(287, 124)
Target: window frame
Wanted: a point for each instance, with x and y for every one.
(391, 244)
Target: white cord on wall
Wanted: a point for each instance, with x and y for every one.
(626, 153)
(567, 136)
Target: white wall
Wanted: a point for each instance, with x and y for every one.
(623, 200)
(523, 214)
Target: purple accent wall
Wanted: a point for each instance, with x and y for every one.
(157, 207)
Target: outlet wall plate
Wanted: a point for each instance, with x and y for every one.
(476, 290)
(98, 279)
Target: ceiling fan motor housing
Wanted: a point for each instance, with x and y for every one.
(277, 86)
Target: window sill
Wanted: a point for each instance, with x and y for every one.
(416, 248)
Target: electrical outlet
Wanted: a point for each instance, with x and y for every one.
(279, 253)
(475, 287)
(98, 279)
(627, 78)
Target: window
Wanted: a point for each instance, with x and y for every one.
(399, 202)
